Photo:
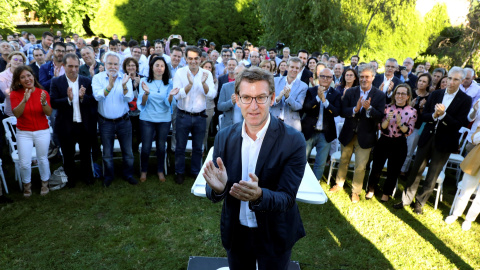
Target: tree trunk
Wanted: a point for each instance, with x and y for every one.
(86, 26)
(472, 51)
(368, 25)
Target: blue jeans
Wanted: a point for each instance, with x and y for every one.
(123, 130)
(149, 129)
(322, 147)
(189, 124)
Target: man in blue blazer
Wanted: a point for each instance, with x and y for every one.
(227, 102)
(289, 95)
(322, 104)
(71, 94)
(387, 81)
(362, 107)
(257, 168)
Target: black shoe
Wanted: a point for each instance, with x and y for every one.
(179, 178)
(4, 199)
(132, 181)
(107, 183)
(417, 208)
(398, 205)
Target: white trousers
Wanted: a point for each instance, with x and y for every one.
(469, 184)
(25, 142)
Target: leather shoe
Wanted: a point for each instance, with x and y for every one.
(398, 205)
(417, 208)
(132, 181)
(336, 188)
(355, 197)
(179, 178)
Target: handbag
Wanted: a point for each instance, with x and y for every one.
(471, 163)
(58, 179)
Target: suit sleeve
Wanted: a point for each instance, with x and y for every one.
(296, 102)
(224, 102)
(43, 77)
(347, 109)
(377, 109)
(88, 98)
(335, 105)
(58, 102)
(284, 197)
(459, 120)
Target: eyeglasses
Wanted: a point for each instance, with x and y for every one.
(401, 94)
(325, 77)
(389, 66)
(259, 99)
(18, 59)
(226, 55)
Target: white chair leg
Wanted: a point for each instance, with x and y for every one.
(330, 172)
(455, 201)
(439, 190)
(3, 177)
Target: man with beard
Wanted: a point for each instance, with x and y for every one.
(91, 66)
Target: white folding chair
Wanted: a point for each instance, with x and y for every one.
(3, 177)
(154, 149)
(455, 159)
(220, 119)
(335, 159)
(439, 182)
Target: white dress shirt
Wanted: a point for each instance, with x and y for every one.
(476, 122)
(115, 104)
(473, 91)
(194, 101)
(447, 100)
(250, 151)
(77, 117)
(386, 84)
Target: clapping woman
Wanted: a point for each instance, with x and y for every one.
(397, 124)
(155, 101)
(31, 105)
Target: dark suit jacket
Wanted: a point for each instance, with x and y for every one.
(59, 101)
(35, 69)
(221, 81)
(148, 44)
(365, 127)
(377, 82)
(446, 135)
(412, 79)
(45, 75)
(280, 168)
(306, 75)
(311, 109)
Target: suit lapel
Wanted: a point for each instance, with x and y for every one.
(267, 145)
(237, 151)
(455, 102)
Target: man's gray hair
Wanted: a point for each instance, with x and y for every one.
(365, 67)
(392, 60)
(87, 48)
(469, 70)
(441, 70)
(83, 41)
(254, 74)
(11, 46)
(456, 69)
(286, 48)
(295, 60)
(108, 54)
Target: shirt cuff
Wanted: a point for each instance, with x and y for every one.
(69, 102)
(326, 103)
(442, 116)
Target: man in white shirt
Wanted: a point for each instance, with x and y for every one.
(195, 85)
(257, 168)
(470, 87)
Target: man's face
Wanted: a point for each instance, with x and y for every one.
(145, 37)
(436, 77)
(338, 70)
(427, 66)
(325, 78)
(136, 53)
(408, 63)
(239, 54)
(58, 53)
(176, 56)
(113, 37)
(87, 56)
(71, 68)
(247, 53)
(9, 38)
(193, 60)
(214, 56)
(354, 61)
(390, 68)
(68, 39)
(468, 79)
(453, 82)
(47, 41)
(159, 48)
(374, 65)
(113, 48)
(303, 56)
(286, 52)
(59, 33)
(273, 54)
(39, 56)
(254, 58)
(144, 51)
(6, 49)
(75, 38)
(366, 79)
(255, 114)
(32, 39)
(225, 56)
(79, 43)
(231, 65)
(70, 49)
(293, 70)
(332, 62)
(112, 65)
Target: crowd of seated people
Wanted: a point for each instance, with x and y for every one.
(140, 92)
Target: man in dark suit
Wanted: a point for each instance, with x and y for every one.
(76, 122)
(363, 108)
(406, 75)
(257, 168)
(145, 41)
(387, 82)
(305, 73)
(322, 104)
(444, 113)
(39, 57)
(354, 62)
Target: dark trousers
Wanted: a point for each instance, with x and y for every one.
(149, 129)
(244, 255)
(393, 149)
(189, 124)
(437, 159)
(78, 135)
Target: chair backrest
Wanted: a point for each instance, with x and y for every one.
(463, 131)
(10, 132)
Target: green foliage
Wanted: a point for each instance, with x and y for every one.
(217, 20)
(6, 21)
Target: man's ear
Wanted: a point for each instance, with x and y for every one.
(273, 99)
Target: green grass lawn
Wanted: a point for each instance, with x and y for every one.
(159, 225)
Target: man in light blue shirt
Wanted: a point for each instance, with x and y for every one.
(113, 91)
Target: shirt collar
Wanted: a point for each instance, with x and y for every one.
(76, 80)
(120, 74)
(454, 93)
(261, 134)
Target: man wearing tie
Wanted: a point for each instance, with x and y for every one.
(256, 170)
(322, 104)
(445, 112)
(113, 90)
(362, 107)
(71, 94)
(290, 93)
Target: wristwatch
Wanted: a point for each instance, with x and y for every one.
(44, 104)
